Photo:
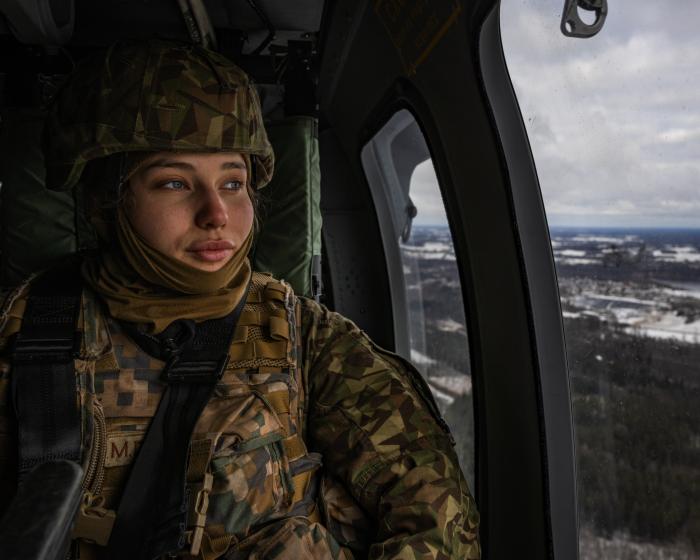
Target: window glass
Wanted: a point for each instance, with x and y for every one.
(614, 125)
(430, 327)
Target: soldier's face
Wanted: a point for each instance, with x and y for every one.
(193, 207)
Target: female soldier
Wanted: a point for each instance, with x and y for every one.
(218, 415)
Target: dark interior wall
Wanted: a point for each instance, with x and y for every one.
(371, 67)
(352, 244)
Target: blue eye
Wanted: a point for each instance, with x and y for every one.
(233, 185)
(174, 185)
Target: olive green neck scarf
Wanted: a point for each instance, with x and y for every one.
(142, 285)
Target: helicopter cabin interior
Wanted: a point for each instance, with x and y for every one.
(379, 88)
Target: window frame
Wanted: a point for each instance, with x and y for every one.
(546, 321)
(372, 155)
(525, 486)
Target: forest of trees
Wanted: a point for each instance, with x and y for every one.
(636, 405)
(635, 400)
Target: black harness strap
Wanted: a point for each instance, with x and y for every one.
(44, 387)
(152, 515)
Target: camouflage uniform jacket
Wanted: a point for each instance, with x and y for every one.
(316, 444)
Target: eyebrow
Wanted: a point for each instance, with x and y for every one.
(189, 166)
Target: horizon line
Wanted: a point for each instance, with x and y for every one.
(621, 228)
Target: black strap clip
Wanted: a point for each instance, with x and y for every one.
(186, 371)
(48, 334)
(31, 350)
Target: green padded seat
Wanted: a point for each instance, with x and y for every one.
(38, 226)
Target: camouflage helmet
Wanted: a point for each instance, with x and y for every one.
(149, 97)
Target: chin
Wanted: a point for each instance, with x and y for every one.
(208, 267)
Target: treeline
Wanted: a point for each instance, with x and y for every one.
(631, 271)
(636, 405)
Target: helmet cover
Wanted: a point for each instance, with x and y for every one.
(150, 97)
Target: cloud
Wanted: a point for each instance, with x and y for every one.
(679, 135)
(614, 121)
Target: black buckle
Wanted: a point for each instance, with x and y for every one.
(201, 371)
(45, 350)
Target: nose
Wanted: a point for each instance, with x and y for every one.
(212, 212)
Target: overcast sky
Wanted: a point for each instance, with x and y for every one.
(614, 121)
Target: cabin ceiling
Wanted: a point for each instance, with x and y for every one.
(265, 37)
(102, 22)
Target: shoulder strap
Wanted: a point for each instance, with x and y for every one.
(44, 389)
(152, 514)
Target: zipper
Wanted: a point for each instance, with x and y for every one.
(273, 442)
(95, 474)
(277, 455)
(94, 522)
(277, 451)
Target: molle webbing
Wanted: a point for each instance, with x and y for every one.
(264, 335)
(270, 320)
(152, 514)
(44, 389)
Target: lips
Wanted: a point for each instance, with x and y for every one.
(217, 245)
(211, 251)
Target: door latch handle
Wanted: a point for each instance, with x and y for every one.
(573, 26)
(411, 212)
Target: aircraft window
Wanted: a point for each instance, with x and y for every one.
(429, 323)
(614, 126)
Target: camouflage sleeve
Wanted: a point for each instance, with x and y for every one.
(382, 436)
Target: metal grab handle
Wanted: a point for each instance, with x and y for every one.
(198, 24)
(573, 26)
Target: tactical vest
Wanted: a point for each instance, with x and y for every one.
(248, 464)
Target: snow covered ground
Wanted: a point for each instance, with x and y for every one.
(621, 547)
(677, 254)
(605, 239)
(420, 359)
(591, 249)
(575, 261)
(651, 313)
(668, 326)
(450, 325)
(445, 388)
(430, 250)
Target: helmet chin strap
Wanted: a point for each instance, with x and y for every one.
(122, 171)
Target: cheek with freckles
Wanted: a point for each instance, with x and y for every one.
(172, 226)
(162, 226)
(241, 218)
